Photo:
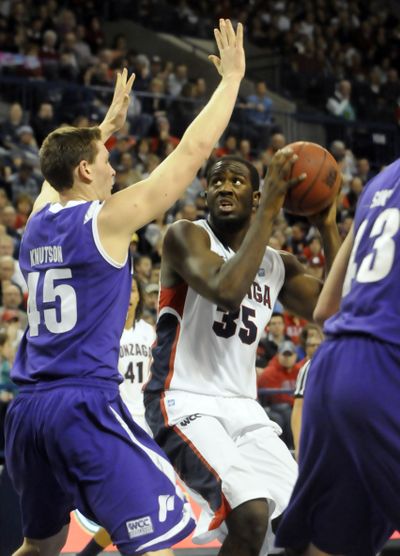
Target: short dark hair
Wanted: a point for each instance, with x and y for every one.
(254, 175)
(63, 150)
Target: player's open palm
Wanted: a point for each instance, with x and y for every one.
(278, 180)
(231, 61)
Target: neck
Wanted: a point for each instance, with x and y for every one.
(129, 323)
(229, 233)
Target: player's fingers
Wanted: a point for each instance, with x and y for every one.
(294, 181)
(130, 83)
(124, 76)
(230, 33)
(224, 33)
(215, 60)
(218, 39)
(239, 35)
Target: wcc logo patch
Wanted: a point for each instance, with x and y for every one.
(139, 527)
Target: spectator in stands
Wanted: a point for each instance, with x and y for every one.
(49, 54)
(281, 372)
(177, 79)
(363, 170)
(297, 241)
(310, 332)
(293, 326)
(151, 299)
(10, 126)
(44, 121)
(350, 199)
(142, 267)
(339, 104)
(270, 341)
(182, 111)
(258, 113)
(229, 146)
(156, 104)
(26, 147)
(314, 252)
(23, 206)
(12, 300)
(276, 142)
(24, 181)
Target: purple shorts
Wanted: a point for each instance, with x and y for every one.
(77, 447)
(346, 499)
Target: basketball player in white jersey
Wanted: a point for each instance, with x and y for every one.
(219, 284)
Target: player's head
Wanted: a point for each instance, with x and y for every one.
(232, 191)
(70, 155)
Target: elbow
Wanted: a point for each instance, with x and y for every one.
(320, 315)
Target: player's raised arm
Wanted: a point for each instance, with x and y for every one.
(133, 207)
(301, 290)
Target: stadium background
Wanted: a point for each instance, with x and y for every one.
(324, 70)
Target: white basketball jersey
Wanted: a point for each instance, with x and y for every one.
(204, 349)
(134, 364)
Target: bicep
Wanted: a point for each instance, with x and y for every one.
(301, 290)
(187, 253)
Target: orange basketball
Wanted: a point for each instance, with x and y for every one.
(321, 185)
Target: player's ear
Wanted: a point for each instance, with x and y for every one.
(256, 199)
(83, 170)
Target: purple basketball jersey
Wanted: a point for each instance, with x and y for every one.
(78, 298)
(371, 292)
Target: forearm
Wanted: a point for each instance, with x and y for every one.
(331, 294)
(235, 276)
(331, 242)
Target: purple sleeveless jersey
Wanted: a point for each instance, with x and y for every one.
(371, 292)
(78, 298)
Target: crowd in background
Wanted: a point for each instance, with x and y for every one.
(64, 42)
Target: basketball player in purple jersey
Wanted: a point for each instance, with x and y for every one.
(71, 442)
(346, 499)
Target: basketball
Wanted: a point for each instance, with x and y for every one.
(321, 185)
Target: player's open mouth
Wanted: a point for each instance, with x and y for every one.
(225, 205)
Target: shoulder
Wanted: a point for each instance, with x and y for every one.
(291, 264)
(184, 232)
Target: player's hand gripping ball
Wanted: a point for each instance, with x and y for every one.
(318, 190)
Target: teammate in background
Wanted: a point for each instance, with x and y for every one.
(70, 441)
(134, 365)
(346, 499)
(219, 284)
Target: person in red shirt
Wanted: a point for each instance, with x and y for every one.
(280, 373)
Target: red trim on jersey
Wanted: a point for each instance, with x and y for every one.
(221, 513)
(163, 410)
(173, 297)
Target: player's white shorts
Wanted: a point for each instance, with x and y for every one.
(227, 451)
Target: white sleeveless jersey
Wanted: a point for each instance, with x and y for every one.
(134, 364)
(204, 349)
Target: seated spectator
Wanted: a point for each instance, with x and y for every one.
(310, 338)
(297, 240)
(12, 300)
(363, 170)
(43, 122)
(163, 140)
(156, 104)
(281, 373)
(272, 338)
(9, 127)
(26, 147)
(314, 252)
(23, 206)
(276, 142)
(151, 299)
(258, 115)
(339, 104)
(183, 110)
(349, 201)
(293, 325)
(177, 79)
(24, 181)
(142, 268)
(229, 146)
